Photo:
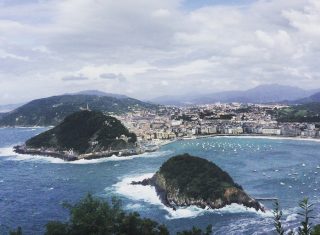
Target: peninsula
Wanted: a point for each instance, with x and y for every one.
(186, 180)
(83, 135)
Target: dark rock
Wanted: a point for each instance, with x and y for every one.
(185, 180)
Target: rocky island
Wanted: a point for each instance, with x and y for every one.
(83, 135)
(186, 180)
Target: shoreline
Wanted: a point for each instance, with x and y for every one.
(253, 136)
(21, 149)
(259, 136)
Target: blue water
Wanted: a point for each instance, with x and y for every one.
(32, 188)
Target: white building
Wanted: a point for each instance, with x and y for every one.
(271, 131)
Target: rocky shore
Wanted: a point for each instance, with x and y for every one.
(67, 156)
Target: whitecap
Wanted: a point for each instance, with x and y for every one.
(134, 206)
(292, 217)
(148, 194)
(8, 152)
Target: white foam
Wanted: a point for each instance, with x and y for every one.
(292, 217)
(134, 206)
(148, 194)
(8, 152)
(115, 158)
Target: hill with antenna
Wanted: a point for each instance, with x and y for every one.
(52, 110)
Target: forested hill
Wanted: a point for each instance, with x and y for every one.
(52, 110)
(309, 112)
(185, 180)
(79, 130)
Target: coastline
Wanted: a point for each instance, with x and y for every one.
(22, 149)
(259, 136)
(64, 155)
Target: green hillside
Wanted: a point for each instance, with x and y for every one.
(80, 130)
(52, 110)
(309, 112)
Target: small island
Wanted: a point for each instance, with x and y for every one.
(186, 180)
(83, 135)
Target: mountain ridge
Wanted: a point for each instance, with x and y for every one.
(266, 93)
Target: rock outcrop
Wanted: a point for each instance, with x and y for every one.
(84, 134)
(185, 180)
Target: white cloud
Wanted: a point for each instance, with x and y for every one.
(6, 55)
(139, 47)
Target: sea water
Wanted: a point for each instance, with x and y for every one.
(33, 188)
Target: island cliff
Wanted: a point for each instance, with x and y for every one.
(185, 180)
(84, 134)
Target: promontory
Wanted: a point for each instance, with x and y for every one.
(83, 135)
(186, 180)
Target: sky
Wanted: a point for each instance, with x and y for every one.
(151, 48)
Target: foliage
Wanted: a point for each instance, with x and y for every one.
(316, 230)
(305, 228)
(52, 110)
(197, 231)
(94, 216)
(78, 129)
(300, 113)
(277, 215)
(196, 177)
(16, 232)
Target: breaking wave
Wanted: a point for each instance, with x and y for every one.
(8, 153)
(148, 194)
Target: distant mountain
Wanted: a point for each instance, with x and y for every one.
(100, 93)
(311, 99)
(8, 107)
(172, 100)
(260, 94)
(52, 110)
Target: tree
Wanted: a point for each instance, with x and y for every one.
(196, 231)
(98, 217)
(16, 232)
(316, 230)
(305, 228)
(277, 215)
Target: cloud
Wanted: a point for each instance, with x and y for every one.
(74, 78)
(118, 77)
(148, 48)
(6, 55)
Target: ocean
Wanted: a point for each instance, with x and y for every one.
(33, 188)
